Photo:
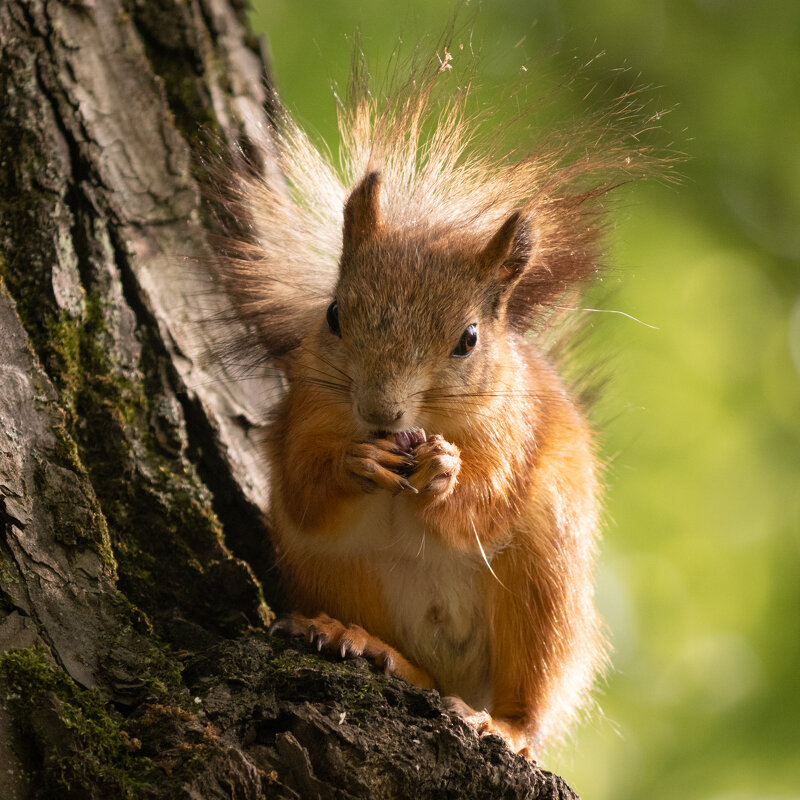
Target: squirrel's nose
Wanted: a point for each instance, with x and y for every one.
(380, 416)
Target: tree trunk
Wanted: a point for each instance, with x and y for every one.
(134, 557)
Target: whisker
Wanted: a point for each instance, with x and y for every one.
(511, 393)
(328, 363)
(483, 554)
(609, 311)
(328, 375)
(472, 412)
(421, 551)
(324, 384)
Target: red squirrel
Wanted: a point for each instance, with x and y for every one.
(435, 496)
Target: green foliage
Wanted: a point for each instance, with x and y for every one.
(700, 572)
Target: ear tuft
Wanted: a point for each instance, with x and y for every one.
(509, 250)
(362, 213)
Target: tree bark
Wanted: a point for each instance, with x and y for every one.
(134, 559)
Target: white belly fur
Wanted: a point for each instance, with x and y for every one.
(433, 593)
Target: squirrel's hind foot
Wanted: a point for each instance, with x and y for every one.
(484, 724)
(352, 641)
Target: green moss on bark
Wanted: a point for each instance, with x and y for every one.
(60, 252)
(358, 691)
(76, 745)
(157, 528)
(178, 56)
(8, 574)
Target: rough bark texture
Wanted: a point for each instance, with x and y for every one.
(133, 556)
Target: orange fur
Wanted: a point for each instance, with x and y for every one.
(526, 488)
(463, 553)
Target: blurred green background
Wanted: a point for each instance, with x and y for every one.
(699, 577)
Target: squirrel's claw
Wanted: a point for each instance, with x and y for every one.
(484, 724)
(406, 485)
(351, 641)
(284, 625)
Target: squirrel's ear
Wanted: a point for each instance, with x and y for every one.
(362, 213)
(509, 250)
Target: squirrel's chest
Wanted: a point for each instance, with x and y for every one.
(433, 594)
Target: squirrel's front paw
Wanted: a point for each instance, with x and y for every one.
(379, 464)
(438, 463)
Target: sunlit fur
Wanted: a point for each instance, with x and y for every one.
(486, 587)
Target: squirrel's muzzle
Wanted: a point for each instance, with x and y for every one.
(380, 414)
(381, 401)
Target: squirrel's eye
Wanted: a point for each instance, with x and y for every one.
(467, 342)
(333, 319)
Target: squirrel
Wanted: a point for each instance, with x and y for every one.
(435, 491)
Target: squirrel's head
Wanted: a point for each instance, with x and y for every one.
(418, 318)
